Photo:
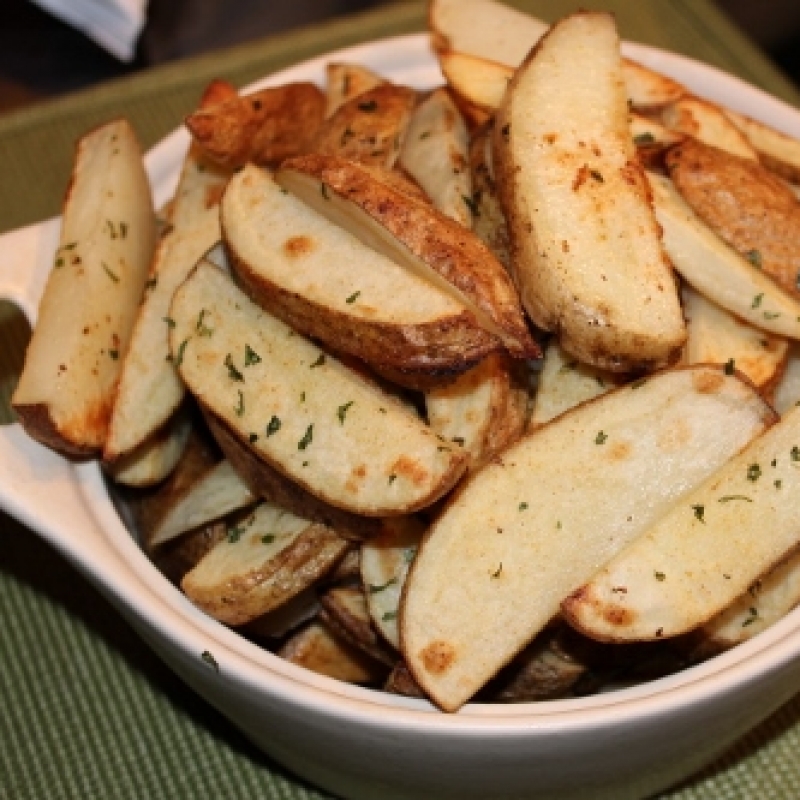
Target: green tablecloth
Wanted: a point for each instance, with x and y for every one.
(86, 711)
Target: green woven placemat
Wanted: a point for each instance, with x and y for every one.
(86, 711)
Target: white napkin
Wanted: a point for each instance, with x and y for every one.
(114, 24)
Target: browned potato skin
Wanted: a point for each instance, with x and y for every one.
(239, 600)
(176, 557)
(744, 203)
(368, 128)
(150, 508)
(267, 482)
(443, 244)
(263, 128)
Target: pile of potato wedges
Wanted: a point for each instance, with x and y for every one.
(482, 392)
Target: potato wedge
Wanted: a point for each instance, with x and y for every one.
(416, 236)
(435, 152)
(274, 487)
(489, 223)
(265, 560)
(369, 127)
(787, 391)
(475, 80)
(344, 610)
(343, 82)
(716, 270)
(321, 280)
(177, 556)
(72, 365)
(483, 28)
(651, 139)
(385, 561)
(705, 552)
(648, 90)
(745, 204)
(215, 493)
(494, 567)
(565, 383)
(317, 648)
(766, 602)
(263, 127)
(484, 410)
(157, 456)
(718, 337)
(302, 411)
(150, 389)
(776, 151)
(401, 681)
(287, 617)
(586, 249)
(707, 122)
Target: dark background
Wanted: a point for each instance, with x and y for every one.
(41, 57)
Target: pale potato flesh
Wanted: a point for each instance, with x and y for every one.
(707, 122)
(532, 526)
(417, 236)
(701, 556)
(586, 249)
(217, 492)
(385, 561)
(717, 337)
(72, 366)
(156, 457)
(484, 410)
(565, 383)
(777, 151)
(322, 280)
(150, 388)
(301, 410)
(435, 153)
(716, 270)
(265, 560)
(787, 392)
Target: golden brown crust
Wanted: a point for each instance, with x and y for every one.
(453, 252)
(745, 204)
(67, 440)
(368, 128)
(264, 127)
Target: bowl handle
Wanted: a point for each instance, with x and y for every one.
(26, 262)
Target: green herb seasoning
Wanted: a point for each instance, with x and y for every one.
(498, 571)
(471, 204)
(373, 589)
(319, 362)
(642, 139)
(307, 438)
(353, 297)
(274, 426)
(341, 412)
(388, 616)
(730, 367)
(699, 513)
(250, 356)
(392, 478)
(523, 506)
(638, 383)
(660, 576)
(235, 533)
(757, 300)
(753, 472)
(753, 616)
(600, 438)
(729, 497)
(778, 484)
(210, 660)
(240, 405)
(253, 438)
(178, 360)
(754, 257)
(201, 328)
(794, 453)
(114, 354)
(268, 538)
(233, 373)
(114, 277)
(170, 322)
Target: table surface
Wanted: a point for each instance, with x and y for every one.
(87, 710)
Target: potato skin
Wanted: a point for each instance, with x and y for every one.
(744, 204)
(264, 127)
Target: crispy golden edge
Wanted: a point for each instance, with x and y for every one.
(745, 204)
(448, 248)
(264, 127)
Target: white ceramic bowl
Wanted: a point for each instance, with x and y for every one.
(360, 743)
